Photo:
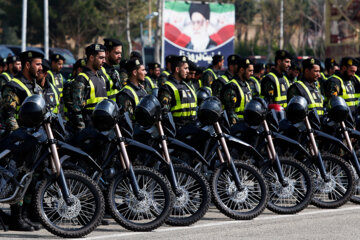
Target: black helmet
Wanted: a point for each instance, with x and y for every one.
(202, 94)
(32, 111)
(148, 111)
(210, 111)
(105, 115)
(297, 109)
(338, 111)
(255, 111)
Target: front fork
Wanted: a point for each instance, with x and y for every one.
(354, 159)
(126, 164)
(171, 173)
(56, 165)
(229, 160)
(315, 153)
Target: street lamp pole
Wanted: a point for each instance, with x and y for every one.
(23, 30)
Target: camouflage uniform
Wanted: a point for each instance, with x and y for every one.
(208, 77)
(13, 96)
(333, 88)
(255, 86)
(232, 98)
(80, 92)
(113, 81)
(5, 77)
(219, 83)
(149, 84)
(163, 77)
(126, 99)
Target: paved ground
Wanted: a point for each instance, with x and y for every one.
(312, 223)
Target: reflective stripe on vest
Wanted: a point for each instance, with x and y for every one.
(136, 97)
(239, 111)
(53, 81)
(280, 99)
(225, 78)
(182, 109)
(257, 84)
(313, 104)
(350, 99)
(7, 76)
(151, 82)
(55, 109)
(357, 95)
(166, 73)
(111, 93)
(93, 100)
(22, 85)
(210, 70)
(323, 76)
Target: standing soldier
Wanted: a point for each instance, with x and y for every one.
(14, 67)
(3, 65)
(122, 72)
(54, 76)
(133, 92)
(166, 73)
(306, 87)
(341, 83)
(191, 77)
(211, 73)
(294, 71)
(237, 93)
(176, 95)
(255, 79)
(14, 93)
(151, 79)
(113, 57)
(274, 86)
(50, 93)
(218, 84)
(89, 88)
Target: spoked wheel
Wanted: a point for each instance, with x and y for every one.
(76, 220)
(356, 197)
(296, 194)
(149, 209)
(340, 187)
(239, 204)
(193, 197)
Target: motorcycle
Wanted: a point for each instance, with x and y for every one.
(191, 189)
(139, 198)
(67, 203)
(239, 190)
(290, 185)
(333, 177)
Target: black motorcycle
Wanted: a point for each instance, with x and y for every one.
(191, 189)
(139, 198)
(333, 177)
(290, 184)
(68, 203)
(238, 189)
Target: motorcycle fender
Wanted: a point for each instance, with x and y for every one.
(292, 142)
(243, 145)
(183, 146)
(330, 138)
(138, 145)
(67, 149)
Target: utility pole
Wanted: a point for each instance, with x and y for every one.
(149, 29)
(281, 45)
(23, 30)
(46, 28)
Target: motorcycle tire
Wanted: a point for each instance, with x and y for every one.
(75, 221)
(193, 200)
(144, 214)
(339, 189)
(240, 205)
(296, 195)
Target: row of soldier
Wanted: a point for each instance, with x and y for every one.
(179, 88)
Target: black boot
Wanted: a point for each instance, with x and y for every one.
(29, 217)
(4, 218)
(17, 223)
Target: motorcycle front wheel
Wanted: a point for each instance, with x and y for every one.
(81, 217)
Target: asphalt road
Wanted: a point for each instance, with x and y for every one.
(312, 223)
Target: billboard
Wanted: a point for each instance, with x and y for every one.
(198, 30)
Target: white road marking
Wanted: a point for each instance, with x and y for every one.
(170, 229)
